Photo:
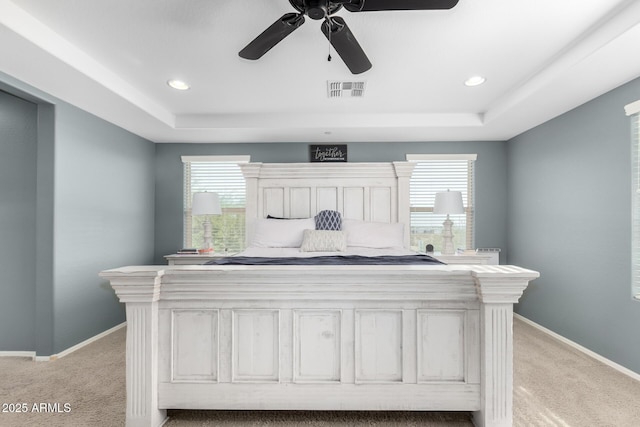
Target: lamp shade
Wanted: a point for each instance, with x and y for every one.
(448, 203)
(205, 204)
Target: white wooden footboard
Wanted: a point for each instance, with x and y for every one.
(319, 338)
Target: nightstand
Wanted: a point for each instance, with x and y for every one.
(193, 259)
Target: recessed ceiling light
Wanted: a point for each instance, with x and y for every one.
(178, 84)
(474, 81)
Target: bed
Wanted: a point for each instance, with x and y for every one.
(417, 337)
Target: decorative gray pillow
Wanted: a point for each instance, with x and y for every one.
(328, 220)
(324, 241)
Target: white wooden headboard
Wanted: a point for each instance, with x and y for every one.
(366, 191)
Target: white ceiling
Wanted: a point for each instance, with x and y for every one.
(113, 58)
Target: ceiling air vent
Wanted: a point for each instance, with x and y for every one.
(345, 89)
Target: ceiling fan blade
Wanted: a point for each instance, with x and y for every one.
(374, 5)
(345, 43)
(273, 35)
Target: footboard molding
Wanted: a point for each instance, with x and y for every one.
(320, 397)
(499, 287)
(140, 291)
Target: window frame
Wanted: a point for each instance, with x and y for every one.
(470, 197)
(633, 111)
(187, 231)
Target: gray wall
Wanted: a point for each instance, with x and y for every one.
(104, 201)
(92, 202)
(491, 180)
(18, 160)
(569, 210)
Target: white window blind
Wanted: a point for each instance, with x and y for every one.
(635, 203)
(431, 175)
(222, 175)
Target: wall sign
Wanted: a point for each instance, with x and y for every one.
(327, 153)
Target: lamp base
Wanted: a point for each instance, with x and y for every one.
(208, 241)
(447, 237)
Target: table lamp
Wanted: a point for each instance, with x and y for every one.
(206, 204)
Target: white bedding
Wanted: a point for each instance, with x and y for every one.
(296, 252)
(303, 238)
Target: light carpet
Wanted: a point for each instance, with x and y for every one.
(555, 385)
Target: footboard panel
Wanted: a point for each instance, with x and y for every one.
(300, 356)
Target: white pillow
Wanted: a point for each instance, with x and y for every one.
(376, 235)
(277, 233)
(324, 241)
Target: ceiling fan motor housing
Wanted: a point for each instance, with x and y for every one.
(316, 9)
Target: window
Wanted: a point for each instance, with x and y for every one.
(633, 110)
(222, 175)
(433, 174)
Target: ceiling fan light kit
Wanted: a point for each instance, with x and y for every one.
(334, 27)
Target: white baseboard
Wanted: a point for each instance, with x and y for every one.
(580, 348)
(80, 345)
(32, 354)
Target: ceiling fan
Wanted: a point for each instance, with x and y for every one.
(334, 27)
